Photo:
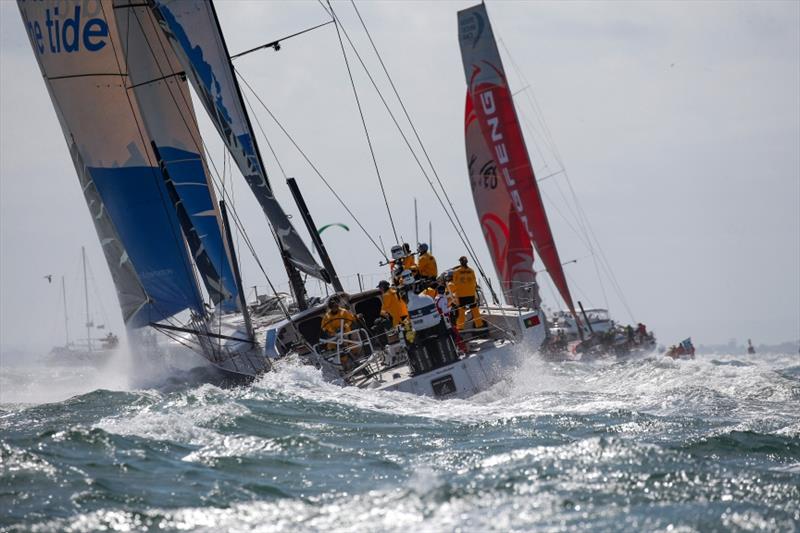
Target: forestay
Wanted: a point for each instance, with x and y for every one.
(156, 78)
(196, 37)
(496, 118)
(77, 47)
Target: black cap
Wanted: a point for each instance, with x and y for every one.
(383, 284)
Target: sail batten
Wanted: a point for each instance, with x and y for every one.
(135, 224)
(495, 142)
(196, 38)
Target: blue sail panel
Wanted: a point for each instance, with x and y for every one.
(188, 175)
(135, 199)
(196, 38)
(84, 70)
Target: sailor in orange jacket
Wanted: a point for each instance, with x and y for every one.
(409, 261)
(392, 304)
(465, 286)
(426, 263)
(339, 320)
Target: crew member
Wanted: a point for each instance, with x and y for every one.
(641, 330)
(392, 304)
(465, 286)
(442, 303)
(409, 261)
(339, 320)
(426, 264)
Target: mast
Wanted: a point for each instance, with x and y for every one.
(416, 222)
(86, 297)
(235, 264)
(66, 317)
(296, 281)
(315, 236)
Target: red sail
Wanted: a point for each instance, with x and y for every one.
(496, 117)
(509, 246)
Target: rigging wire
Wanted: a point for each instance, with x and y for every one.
(312, 165)
(264, 135)
(453, 218)
(276, 44)
(363, 121)
(581, 218)
(460, 227)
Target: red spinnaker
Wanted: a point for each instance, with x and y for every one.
(509, 245)
(493, 111)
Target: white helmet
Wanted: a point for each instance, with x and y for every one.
(397, 252)
(407, 277)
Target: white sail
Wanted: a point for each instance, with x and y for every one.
(76, 44)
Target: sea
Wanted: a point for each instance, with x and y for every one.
(648, 444)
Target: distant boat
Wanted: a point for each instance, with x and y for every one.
(91, 350)
(683, 350)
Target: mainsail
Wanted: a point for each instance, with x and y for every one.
(193, 30)
(77, 47)
(496, 118)
(509, 245)
(156, 78)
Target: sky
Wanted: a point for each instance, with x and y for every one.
(678, 124)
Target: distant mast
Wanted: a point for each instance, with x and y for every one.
(500, 163)
(66, 316)
(86, 297)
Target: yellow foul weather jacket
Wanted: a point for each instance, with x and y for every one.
(464, 282)
(427, 265)
(394, 305)
(341, 320)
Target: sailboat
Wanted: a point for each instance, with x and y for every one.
(87, 351)
(118, 73)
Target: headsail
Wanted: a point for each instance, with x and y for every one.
(156, 78)
(497, 118)
(81, 64)
(196, 37)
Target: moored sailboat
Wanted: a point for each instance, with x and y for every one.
(91, 350)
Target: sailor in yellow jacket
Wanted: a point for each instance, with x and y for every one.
(465, 287)
(426, 263)
(392, 304)
(409, 261)
(339, 320)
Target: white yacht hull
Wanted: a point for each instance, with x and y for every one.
(492, 362)
(514, 334)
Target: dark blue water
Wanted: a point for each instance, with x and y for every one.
(651, 444)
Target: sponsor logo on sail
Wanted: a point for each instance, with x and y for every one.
(489, 107)
(65, 31)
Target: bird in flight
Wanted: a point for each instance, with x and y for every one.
(49, 278)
